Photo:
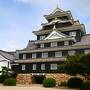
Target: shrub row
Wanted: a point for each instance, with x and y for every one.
(74, 82)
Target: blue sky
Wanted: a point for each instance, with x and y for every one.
(18, 18)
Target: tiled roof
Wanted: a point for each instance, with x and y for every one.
(31, 45)
(7, 55)
(57, 10)
(56, 21)
(85, 40)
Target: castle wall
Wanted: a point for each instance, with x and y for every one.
(26, 79)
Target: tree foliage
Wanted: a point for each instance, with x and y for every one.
(6, 71)
(79, 64)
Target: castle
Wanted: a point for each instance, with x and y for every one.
(59, 37)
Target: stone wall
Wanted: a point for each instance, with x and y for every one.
(59, 77)
(26, 79)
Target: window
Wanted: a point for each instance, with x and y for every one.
(71, 53)
(34, 55)
(58, 54)
(72, 33)
(51, 54)
(61, 43)
(34, 66)
(53, 66)
(20, 56)
(44, 55)
(41, 45)
(24, 56)
(42, 66)
(87, 51)
(23, 67)
(28, 55)
(53, 44)
(66, 43)
(42, 37)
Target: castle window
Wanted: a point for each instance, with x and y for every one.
(23, 67)
(61, 43)
(24, 56)
(71, 53)
(66, 43)
(53, 67)
(34, 67)
(53, 44)
(20, 56)
(87, 51)
(58, 54)
(42, 37)
(41, 45)
(44, 55)
(28, 55)
(34, 55)
(42, 66)
(72, 33)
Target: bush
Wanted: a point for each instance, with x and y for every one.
(63, 84)
(74, 82)
(49, 82)
(85, 86)
(10, 82)
(3, 78)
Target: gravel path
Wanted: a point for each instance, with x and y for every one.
(31, 87)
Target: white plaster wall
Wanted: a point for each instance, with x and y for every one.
(4, 62)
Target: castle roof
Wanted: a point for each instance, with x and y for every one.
(58, 12)
(85, 40)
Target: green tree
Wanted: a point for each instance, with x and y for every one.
(79, 64)
(85, 65)
(4, 74)
(6, 71)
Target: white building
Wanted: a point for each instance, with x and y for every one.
(5, 59)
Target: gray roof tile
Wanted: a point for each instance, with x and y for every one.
(85, 40)
(7, 55)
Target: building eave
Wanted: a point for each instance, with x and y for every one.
(63, 29)
(54, 40)
(66, 21)
(73, 47)
(65, 13)
(41, 60)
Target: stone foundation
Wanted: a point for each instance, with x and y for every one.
(26, 79)
(58, 77)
